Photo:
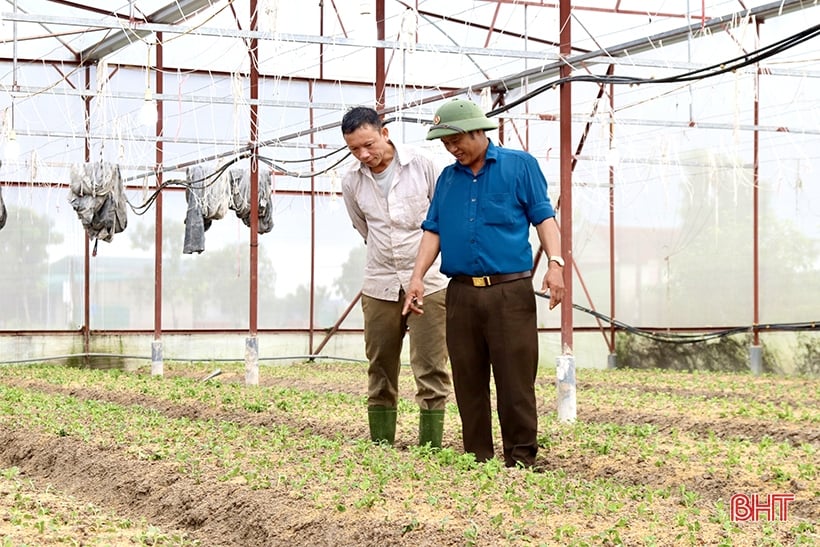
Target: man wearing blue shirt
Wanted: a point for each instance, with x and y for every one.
(479, 220)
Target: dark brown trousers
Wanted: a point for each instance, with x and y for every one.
(494, 329)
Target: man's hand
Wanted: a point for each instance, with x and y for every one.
(414, 299)
(554, 283)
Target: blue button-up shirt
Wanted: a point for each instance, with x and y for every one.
(483, 220)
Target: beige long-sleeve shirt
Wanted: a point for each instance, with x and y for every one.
(391, 224)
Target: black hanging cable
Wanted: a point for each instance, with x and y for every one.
(686, 338)
(275, 165)
(693, 75)
(143, 208)
(723, 67)
(314, 158)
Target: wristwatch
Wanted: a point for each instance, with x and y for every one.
(557, 259)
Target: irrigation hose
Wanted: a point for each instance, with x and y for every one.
(35, 360)
(667, 337)
(682, 338)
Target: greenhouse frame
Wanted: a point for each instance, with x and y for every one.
(680, 142)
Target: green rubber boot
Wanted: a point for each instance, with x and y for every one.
(431, 427)
(382, 424)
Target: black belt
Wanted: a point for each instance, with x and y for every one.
(487, 280)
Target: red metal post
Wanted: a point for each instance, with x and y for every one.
(380, 71)
(611, 222)
(322, 33)
(86, 243)
(312, 308)
(565, 50)
(254, 176)
(159, 158)
(755, 206)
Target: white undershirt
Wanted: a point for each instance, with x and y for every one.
(385, 178)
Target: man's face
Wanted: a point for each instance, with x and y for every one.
(370, 146)
(467, 148)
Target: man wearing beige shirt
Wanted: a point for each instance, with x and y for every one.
(387, 193)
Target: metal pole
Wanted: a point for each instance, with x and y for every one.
(612, 359)
(251, 343)
(565, 370)
(157, 368)
(381, 77)
(86, 240)
(755, 351)
(312, 301)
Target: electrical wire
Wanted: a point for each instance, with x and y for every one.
(143, 208)
(273, 164)
(717, 69)
(192, 184)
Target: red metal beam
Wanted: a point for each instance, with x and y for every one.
(491, 28)
(98, 11)
(338, 18)
(588, 125)
(579, 7)
(336, 326)
(480, 26)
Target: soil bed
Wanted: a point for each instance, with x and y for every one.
(121, 458)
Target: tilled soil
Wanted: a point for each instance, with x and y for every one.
(216, 512)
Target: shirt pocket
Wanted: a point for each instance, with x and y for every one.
(412, 211)
(497, 209)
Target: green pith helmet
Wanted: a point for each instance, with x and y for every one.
(458, 116)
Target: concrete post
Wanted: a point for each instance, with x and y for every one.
(251, 361)
(756, 359)
(156, 358)
(565, 381)
(612, 361)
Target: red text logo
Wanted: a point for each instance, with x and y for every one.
(743, 507)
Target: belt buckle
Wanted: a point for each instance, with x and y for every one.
(483, 281)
